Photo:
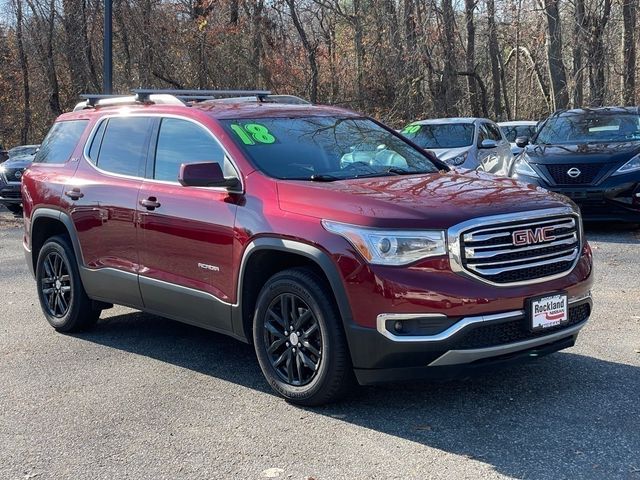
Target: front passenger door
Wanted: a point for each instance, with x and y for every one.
(186, 233)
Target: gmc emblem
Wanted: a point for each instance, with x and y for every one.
(529, 236)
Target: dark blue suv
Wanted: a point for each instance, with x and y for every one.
(590, 155)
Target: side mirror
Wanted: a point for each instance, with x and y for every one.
(488, 144)
(522, 142)
(208, 174)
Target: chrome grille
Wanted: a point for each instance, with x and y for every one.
(529, 250)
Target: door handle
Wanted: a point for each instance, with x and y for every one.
(74, 194)
(150, 203)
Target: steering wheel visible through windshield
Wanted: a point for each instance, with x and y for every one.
(590, 128)
(325, 148)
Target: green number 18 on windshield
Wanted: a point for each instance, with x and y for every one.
(252, 133)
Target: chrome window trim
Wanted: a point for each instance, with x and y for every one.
(454, 234)
(87, 146)
(461, 324)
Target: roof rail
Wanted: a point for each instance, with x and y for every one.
(164, 97)
(197, 95)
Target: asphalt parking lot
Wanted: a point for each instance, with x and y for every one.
(143, 397)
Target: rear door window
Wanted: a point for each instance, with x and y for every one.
(60, 142)
(123, 147)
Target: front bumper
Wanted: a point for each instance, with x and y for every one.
(615, 198)
(471, 343)
(10, 193)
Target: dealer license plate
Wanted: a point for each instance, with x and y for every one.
(548, 311)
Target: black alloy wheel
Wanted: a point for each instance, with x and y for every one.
(294, 340)
(299, 338)
(56, 285)
(64, 302)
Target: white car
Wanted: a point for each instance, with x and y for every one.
(474, 143)
(515, 129)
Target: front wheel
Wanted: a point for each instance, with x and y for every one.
(299, 339)
(14, 208)
(62, 297)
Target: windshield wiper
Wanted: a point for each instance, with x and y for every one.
(323, 177)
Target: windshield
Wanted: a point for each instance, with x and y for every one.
(590, 128)
(325, 148)
(448, 135)
(514, 131)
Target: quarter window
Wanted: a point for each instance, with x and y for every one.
(124, 145)
(60, 142)
(181, 141)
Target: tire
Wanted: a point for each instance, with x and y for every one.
(14, 208)
(62, 297)
(318, 339)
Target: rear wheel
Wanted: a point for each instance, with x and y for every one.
(299, 339)
(62, 297)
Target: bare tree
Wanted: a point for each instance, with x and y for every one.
(629, 52)
(494, 56)
(24, 67)
(310, 49)
(557, 72)
(469, 7)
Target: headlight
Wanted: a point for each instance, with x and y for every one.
(522, 167)
(457, 160)
(390, 247)
(631, 166)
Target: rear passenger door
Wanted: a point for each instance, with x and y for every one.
(103, 197)
(186, 237)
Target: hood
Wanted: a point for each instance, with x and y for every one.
(22, 161)
(583, 153)
(438, 200)
(447, 153)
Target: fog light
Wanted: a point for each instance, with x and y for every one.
(397, 326)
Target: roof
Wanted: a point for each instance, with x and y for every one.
(598, 110)
(448, 121)
(517, 123)
(219, 110)
(262, 110)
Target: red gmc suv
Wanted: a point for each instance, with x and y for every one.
(337, 247)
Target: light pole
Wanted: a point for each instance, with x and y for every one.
(107, 67)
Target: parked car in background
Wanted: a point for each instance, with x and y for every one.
(11, 172)
(516, 129)
(474, 143)
(590, 155)
(327, 240)
(23, 151)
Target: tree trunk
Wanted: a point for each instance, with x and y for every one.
(310, 50)
(358, 40)
(628, 52)
(597, 78)
(448, 87)
(494, 55)
(578, 45)
(469, 7)
(557, 72)
(24, 67)
(145, 60)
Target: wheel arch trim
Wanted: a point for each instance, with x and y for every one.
(62, 217)
(311, 252)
